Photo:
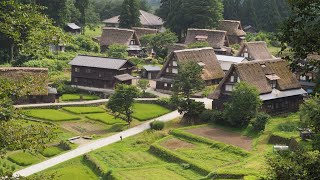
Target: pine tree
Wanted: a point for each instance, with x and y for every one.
(130, 14)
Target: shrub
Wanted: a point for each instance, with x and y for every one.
(259, 123)
(87, 44)
(287, 127)
(166, 102)
(316, 142)
(217, 117)
(64, 145)
(51, 151)
(157, 125)
(118, 51)
(51, 64)
(96, 166)
(147, 95)
(205, 116)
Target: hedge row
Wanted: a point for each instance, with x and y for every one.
(55, 106)
(223, 147)
(96, 167)
(165, 102)
(170, 156)
(274, 139)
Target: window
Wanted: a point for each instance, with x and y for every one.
(246, 55)
(303, 78)
(76, 69)
(88, 70)
(229, 88)
(167, 70)
(238, 79)
(232, 78)
(273, 84)
(132, 42)
(171, 85)
(165, 85)
(174, 63)
(175, 71)
(100, 74)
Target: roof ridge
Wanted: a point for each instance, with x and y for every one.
(144, 16)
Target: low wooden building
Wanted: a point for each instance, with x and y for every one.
(32, 84)
(100, 72)
(127, 37)
(147, 20)
(150, 72)
(72, 28)
(205, 57)
(257, 50)
(235, 33)
(217, 39)
(279, 89)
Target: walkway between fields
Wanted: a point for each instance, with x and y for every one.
(96, 144)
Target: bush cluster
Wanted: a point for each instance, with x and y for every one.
(259, 123)
(64, 145)
(213, 116)
(95, 165)
(83, 43)
(157, 125)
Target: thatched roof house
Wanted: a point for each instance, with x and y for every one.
(35, 80)
(278, 87)
(144, 31)
(235, 33)
(147, 20)
(257, 50)
(217, 39)
(205, 57)
(175, 47)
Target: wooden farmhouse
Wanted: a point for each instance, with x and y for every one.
(127, 37)
(34, 83)
(147, 20)
(150, 72)
(279, 89)
(254, 51)
(205, 57)
(72, 28)
(235, 33)
(218, 40)
(97, 73)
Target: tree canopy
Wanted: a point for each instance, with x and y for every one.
(130, 14)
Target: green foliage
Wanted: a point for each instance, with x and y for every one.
(159, 42)
(130, 15)
(146, 111)
(96, 166)
(180, 15)
(82, 6)
(287, 126)
(64, 145)
(121, 102)
(51, 64)
(83, 43)
(259, 123)
(310, 113)
(50, 114)
(23, 159)
(143, 84)
(199, 44)
(157, 125)
(25, 30)
(84, 110)
(243, 105)
(117, 51)
(77, 97)
(213, 116)
(293, 165)
(300, 33)
(105, 118)
(51, 151)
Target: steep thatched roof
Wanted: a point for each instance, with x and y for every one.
(144, 31)
(256, 73)
(117, 36)
(146, 19)
(35, 80)
(232, 27)
(217, 39)
(175, 47)
(206, 56)
(257, 50)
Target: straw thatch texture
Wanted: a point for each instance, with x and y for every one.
(34, 80)
(233, 28)
(207, 56)
(217, 39)
(144, 31)
(117, 36)
(257, 50)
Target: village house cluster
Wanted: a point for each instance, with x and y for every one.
(279, 88)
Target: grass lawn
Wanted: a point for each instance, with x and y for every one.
(94, 32)
(51, 151)
(284, 126)
(105, 118)
(76, 97)
(50, 114)
(23, 159)
(84, 110)
(75, 169)
(145, 112)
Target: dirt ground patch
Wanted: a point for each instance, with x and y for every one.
(223, 136)
(174, 144)
(85, 127)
